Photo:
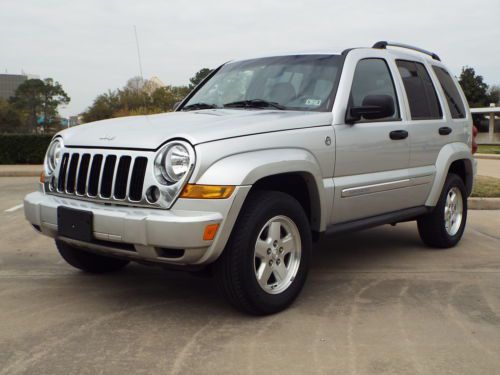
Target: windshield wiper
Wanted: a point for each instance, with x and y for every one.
(254, 103)
(199, 106)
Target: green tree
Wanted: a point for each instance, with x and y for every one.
(10, 118)
(103, 107)
(140, 97)
(28, 100)
(198, 77)
(494, 94)
(474, 87)
(53, 96)
(39, 100)
(165, 97)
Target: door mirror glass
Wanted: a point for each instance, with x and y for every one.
(374, 107)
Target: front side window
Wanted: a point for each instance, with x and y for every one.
(422, 97)
(450, 90)
(302, 83)
(372, 77)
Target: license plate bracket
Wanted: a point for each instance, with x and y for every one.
(75, 224)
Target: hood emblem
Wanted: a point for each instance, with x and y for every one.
(107, 138)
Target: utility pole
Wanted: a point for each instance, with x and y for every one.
(138, 56)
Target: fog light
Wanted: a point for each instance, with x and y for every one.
(153, 194)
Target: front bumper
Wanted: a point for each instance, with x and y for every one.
(172, 236)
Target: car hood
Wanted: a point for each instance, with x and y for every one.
(150, 132)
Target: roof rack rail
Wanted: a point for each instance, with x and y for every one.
(383, 45)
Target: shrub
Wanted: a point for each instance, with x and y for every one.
(23, 148)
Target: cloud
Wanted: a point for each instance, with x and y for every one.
(89, 46)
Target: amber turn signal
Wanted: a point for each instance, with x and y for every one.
(207, 191)
(210, 232)
(42, 177)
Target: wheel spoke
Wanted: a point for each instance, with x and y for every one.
(264, 273)
(280, 272)
(277, 254)
(261, 249)
(275, 231)
(287, 244)
(453, 197)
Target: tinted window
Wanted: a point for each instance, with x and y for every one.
(422, 97)
(372, 77)
(449, 87)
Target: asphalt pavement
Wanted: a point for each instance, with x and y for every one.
(376, 302)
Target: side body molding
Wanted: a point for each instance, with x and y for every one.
(448, 154)
(249, 167)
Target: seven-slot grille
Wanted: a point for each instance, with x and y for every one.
(102, 176)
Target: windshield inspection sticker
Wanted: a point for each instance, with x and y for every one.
(314, 102)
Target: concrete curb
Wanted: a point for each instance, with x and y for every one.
(487, 156)
(20, 173)
(484, 203)
(20, 170)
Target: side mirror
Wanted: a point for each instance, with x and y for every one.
(176, 105)
(374, 107)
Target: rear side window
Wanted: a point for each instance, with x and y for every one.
(422, 97)
(449, 87)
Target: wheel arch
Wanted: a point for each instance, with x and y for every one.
(292, 171)
(299, 185)
(455, 158)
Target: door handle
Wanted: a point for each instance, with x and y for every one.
(445, 130)
(398, 134)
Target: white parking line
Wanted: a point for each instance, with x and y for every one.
(12, 209)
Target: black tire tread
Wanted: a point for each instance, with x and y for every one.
(227, 268)
(430, 226)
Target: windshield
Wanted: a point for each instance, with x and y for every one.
(302, 82)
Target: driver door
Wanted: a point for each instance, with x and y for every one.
(372, 156)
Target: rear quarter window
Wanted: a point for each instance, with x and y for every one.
(455, 103)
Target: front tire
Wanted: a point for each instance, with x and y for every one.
(87, 261)
(265, 263)
(444, 226)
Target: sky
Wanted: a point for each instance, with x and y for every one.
(89, 46)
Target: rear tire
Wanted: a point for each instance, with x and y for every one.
(444, 226)
(265, 263)
(87, 261)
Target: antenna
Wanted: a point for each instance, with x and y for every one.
(138, 54)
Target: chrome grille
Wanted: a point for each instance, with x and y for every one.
(101, 176)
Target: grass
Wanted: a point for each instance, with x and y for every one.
(486, 187)
(488, 149)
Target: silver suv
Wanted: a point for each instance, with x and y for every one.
(262, 158)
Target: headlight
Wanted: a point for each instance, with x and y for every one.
(54, 155)
(174, 161)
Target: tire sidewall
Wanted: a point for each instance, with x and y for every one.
(452, 181)
(289, 207)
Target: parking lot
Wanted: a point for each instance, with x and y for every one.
(376, 302)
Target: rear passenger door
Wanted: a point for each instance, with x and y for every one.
(427, 124)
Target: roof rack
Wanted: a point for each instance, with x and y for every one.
(384, 45)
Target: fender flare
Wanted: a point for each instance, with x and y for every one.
(249, 167)
(449, 154)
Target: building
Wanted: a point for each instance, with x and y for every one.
(9, 84)
(489, 125)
